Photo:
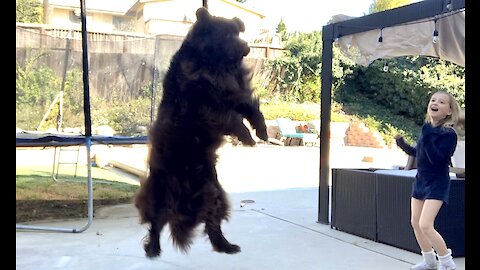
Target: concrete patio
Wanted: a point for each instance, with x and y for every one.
(278, 231)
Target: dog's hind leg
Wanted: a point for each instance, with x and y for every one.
(149, 201)
(219, 211)
(219, 242)
(151, 243)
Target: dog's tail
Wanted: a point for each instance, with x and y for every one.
(143, 201)
(182, 233)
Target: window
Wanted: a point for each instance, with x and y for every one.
(123, 23)
(74, 16)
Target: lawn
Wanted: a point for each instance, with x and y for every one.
(39, 197)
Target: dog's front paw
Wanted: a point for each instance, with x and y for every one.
(248, 141)
(262, 134)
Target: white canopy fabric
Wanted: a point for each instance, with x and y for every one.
(414, 38)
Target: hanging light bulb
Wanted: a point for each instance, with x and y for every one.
(435, 36)
(385, 67)
(435, 32)
(380, 38)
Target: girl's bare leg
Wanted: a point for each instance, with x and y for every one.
(426, 224)
(416, 212)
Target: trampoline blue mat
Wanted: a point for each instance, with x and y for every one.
(25, 139)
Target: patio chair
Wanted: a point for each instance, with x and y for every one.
(288, 133)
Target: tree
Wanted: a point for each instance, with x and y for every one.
(282, 30)
(29, 11)
(381, 5)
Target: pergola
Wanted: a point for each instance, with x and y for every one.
(387, 30)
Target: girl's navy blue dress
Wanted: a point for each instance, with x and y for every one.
(433, 152)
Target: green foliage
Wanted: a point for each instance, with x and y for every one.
(282, 30)
(298, 112)
(37, 85)
(29, 11)
(443, 75)
(125, 117)
(260, 91)
(387, 130)
(307, 48)
(28, 117)
(406, 86)
(392, 102)
(73, 91)
(378, 117)
(381, 5)
(298, 72)
(341, 68)
(338, 114)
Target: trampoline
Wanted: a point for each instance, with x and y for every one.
(41, 139)
(36, 139)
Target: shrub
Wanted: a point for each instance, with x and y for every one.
(298, 112)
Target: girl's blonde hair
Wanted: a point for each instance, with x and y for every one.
(455, 120)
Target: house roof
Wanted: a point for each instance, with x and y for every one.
(120, 6)
(137, 3)
(241, 6)
(128, 7)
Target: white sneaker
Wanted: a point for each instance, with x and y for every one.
(423, 265)
(446, 262)
(447, 266)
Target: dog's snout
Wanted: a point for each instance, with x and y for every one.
(246, 48)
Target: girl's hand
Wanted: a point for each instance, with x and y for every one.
(398, 136)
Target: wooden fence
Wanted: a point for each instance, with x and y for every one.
(122, 61)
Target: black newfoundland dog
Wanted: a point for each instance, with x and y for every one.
(206, 95)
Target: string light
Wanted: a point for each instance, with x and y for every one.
(385, 67)
(435, 32)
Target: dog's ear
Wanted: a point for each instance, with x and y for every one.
(202, 14)
(200, 29)
(241, 25)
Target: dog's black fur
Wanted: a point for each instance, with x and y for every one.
(206, 96)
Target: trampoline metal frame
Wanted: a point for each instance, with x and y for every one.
(87, 139)
(89, 203)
